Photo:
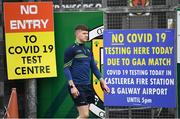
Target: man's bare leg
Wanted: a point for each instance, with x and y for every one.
(83, 111)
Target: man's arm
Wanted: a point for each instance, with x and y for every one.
(97, 73)
(68, 58)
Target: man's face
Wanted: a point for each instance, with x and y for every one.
(82, 35)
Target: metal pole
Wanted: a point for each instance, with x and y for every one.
(31, 98)
(170, 24)
(31, 95)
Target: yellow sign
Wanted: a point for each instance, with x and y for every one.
(29, 32)
(30, 55)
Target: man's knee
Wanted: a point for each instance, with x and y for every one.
(83, 111)
(84, 115)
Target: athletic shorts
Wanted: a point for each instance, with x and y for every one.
(86, 95)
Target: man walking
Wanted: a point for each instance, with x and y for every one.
(78, 62)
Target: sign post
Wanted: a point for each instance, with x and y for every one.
(30, 47)
(178, 52)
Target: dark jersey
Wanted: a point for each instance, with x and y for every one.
(78, 62)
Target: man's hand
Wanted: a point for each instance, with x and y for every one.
(104, 87)
(74, 92)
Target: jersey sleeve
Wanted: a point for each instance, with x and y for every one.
(94, 67)
(68, 58)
